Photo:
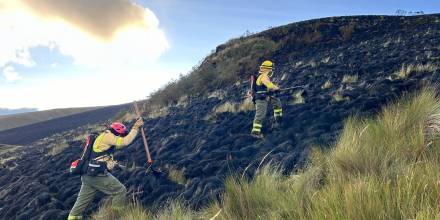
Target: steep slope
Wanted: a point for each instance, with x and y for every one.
(23, 119)
(349, 65)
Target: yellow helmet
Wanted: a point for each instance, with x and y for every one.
(267, 64)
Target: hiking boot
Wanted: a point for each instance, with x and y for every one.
(257, 135)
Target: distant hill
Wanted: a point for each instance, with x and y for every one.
(32, 132)
(26, 118)
(6, 111)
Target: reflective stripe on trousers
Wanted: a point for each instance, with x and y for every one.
(278, 112)
(256, 128)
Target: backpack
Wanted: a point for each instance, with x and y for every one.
(79, 166)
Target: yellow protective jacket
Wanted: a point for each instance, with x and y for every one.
(107, 139)
(267, 83)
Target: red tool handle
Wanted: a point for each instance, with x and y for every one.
(144, 138)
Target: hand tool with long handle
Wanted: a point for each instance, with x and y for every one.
(144, 138)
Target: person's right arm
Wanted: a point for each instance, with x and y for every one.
(120, 142)
(266, 81)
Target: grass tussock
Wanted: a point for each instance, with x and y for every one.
(327, 85)
(157, 112)
(347, 31)
(177, 176)
(298, 98)
(407, 70)
(246, 106)
(58, 147)
(338, 96)
(135, 211)
(226, 107)
(347, 79)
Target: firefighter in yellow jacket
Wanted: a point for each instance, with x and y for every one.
(98, 178)
(263, 89)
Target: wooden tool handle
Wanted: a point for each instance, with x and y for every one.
(144, 138)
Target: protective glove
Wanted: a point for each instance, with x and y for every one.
(111, 164)
(139, 122)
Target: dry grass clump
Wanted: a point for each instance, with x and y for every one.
(80, 137)
(347, 31)
(58, 147)
(220, 94)
(298, 97)
(226, 107)
(407, 70)
(157, 112)
(350, 79)
(338, 96)
(176, 176)
(327, 85)
(127, 117)
(183, 101)
(135, 211)
(232, 107)
(132, 211)
(246, 106)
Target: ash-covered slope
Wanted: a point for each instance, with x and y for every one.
(349, 65)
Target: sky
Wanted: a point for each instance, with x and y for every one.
(77, 53)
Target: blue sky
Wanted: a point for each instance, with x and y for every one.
(49, 62)
(195, 27)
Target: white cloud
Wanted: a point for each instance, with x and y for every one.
(121, 56)
(11, 75)
(22, 28)
(86, 89)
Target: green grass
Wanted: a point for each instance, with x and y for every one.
(386, 167)
(134, 211)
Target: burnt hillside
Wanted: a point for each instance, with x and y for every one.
(348, 65)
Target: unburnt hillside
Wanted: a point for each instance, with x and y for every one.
(62, 121)
(198, 127)
(6, 111)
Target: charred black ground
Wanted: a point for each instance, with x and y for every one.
(349, 65)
